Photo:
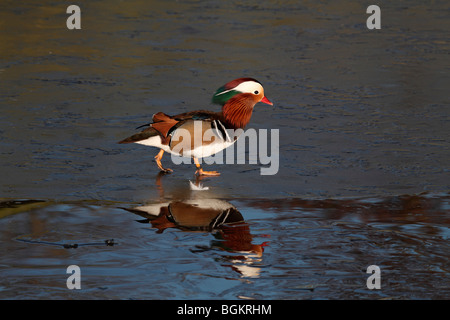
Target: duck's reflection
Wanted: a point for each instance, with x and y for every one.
(220, 218)
(189, 215)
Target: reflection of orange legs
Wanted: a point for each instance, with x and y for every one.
(159, 185)
(200, 171)
(158, 162)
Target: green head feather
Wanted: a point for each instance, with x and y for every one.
(222, 95)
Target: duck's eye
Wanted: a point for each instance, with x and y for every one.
(256, 92)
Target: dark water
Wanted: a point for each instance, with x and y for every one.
(267, 249)
(364, 151)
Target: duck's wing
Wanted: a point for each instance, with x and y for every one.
(163, 124)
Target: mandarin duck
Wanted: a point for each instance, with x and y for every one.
(237, 98)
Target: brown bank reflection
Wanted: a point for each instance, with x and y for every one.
(193, 212)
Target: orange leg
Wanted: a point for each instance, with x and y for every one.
(158, 162)
(200, 171)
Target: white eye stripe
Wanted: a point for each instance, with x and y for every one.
(245, 87)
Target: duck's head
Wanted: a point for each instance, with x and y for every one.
(237, 98)
(247, 88)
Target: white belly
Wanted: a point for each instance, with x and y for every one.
(208, 150)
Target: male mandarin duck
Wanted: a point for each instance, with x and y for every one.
(237, 98)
